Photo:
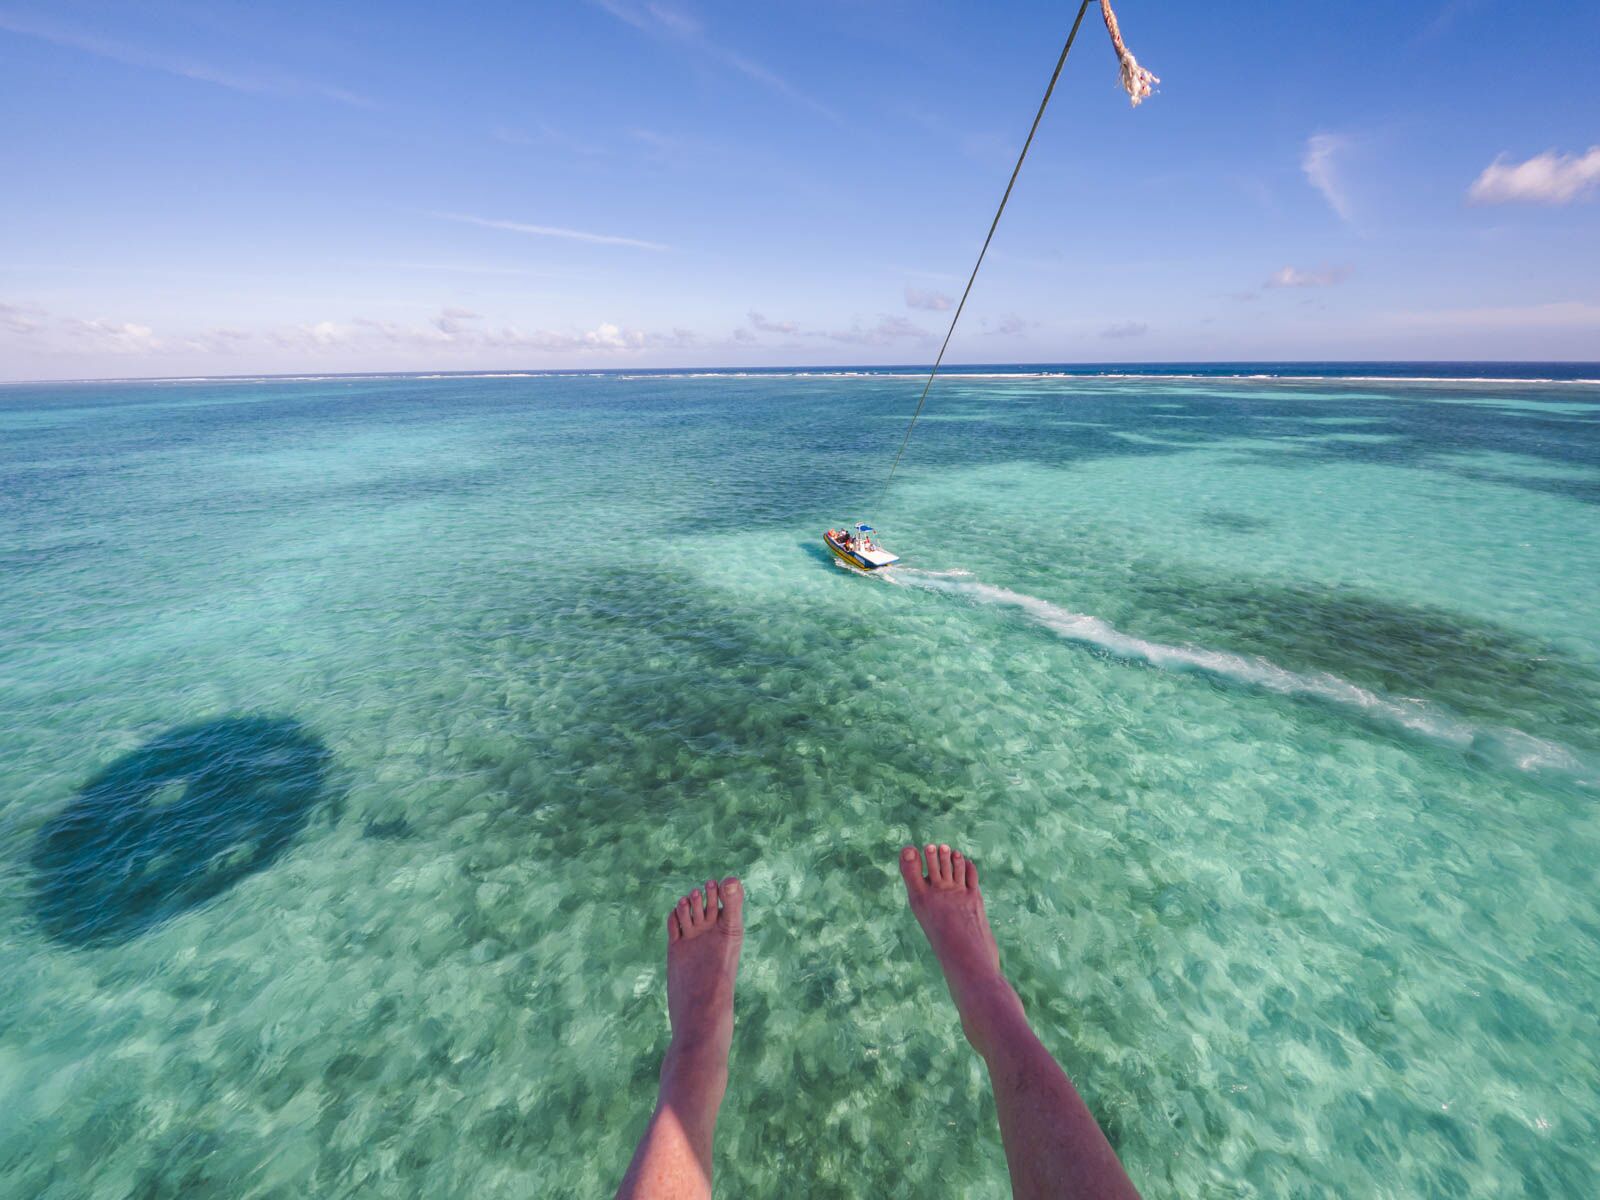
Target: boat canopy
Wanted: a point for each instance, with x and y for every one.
(865, 529)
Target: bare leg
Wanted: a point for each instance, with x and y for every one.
(1054, 1148)
(705, 933)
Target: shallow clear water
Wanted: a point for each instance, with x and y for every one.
(355, 734)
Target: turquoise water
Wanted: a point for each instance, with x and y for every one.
(356, 734)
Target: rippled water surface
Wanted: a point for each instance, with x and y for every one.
(355, 734)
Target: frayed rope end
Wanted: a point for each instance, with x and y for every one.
(1136, 80)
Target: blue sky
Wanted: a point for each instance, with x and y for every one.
(219, 188)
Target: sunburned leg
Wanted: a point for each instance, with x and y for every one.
(705, 933)
(1054, 1148)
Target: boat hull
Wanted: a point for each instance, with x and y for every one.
(852, 559)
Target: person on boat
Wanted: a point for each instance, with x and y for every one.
(1053, 1145)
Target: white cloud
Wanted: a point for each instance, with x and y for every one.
(662, 20)
(927, 299)
(1008, 326)
(1321, 166)
(552, 231)
(1294, 277)
(758, 321)
(1547, 178)
(256, 82)
(1126, 329)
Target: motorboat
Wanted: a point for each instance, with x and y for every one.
(853, 545)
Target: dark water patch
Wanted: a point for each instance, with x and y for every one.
(18, 560)
(1474, 667)
(394, 829)
(1407, 426)
(1230, 521)
(1585, 488)
(175, 824)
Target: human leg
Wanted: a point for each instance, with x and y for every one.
(705, 933)
(1054, 1147)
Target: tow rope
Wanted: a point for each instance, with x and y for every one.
(1136, 80)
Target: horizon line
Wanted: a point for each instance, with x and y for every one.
(917, 368)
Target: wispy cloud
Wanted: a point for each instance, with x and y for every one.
(1559, 314)
(1547, 178)
(221, 340)
(456, 330)
(928, 300)
(605, 337)
(675, 24)
(1320, 162)
(455, 320)
(1447, 16)
(760, 322)
(122, 337)
(458, 269)
(81, 333)
(1008, 326)
(543, 134)
(256, 81)
(887, 330)
(317, 335)
(552, 231)
(1294, 277)
(1126, 329)
(21, 318)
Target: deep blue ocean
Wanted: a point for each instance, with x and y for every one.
(356, 732)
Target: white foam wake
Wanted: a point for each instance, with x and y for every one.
(1521, 750)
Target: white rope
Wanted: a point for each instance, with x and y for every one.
(1136, 80)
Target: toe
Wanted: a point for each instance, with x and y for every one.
(946, 867)
(711, 900)
(932, 853)
(911, 870)
(697, 908)
(972, 876)
(672, 927)
(682, 913)
(732, 916)
(958, 869)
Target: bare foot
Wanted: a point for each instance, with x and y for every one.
(949, 907)
(705, 933)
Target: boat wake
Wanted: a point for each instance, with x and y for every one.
(1510, 746)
